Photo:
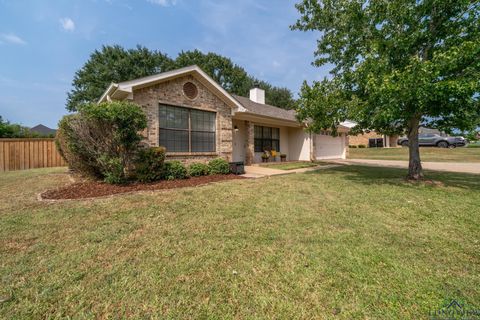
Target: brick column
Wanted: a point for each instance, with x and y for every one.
(249, 143)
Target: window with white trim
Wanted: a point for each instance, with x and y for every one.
(186, 130)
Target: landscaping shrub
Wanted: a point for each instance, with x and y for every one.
(112, 170)
(198, 169)
(150, 164)
(362, 146)
(353, 147)
(175, 170)
(218, 166)
(101, 140)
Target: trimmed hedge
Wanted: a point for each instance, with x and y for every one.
(175, 170)
(198, 169)
(218, 166)
(150, 165)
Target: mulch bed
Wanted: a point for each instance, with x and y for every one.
(93, 189)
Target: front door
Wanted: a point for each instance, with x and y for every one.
(239, 141)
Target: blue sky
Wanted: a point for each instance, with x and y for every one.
(43, 43)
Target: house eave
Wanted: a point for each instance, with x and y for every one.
(253, 117)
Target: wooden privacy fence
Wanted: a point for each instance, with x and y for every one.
(28, 153)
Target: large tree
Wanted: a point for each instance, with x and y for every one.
(398, 64)
(113, 64)
(116, 64)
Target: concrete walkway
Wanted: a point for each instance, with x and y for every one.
(462, 167)
(259, 171)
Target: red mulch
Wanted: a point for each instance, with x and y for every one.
(92, 189)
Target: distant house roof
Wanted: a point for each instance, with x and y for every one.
(43, 130)
(266, 109)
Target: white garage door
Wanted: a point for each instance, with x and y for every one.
(328, 147)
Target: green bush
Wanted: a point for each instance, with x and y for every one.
(101, 138)
(218, 166)
(362, 146)
(113, 170)
(353, 147)
(175, 170)
(150, 164)
(198, 169)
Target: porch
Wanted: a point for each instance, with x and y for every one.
(252, 135)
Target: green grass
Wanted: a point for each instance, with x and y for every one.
(426, 154)
(344, 243)
(292, 165)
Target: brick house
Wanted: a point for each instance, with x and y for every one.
(373, 139)
(195, 119)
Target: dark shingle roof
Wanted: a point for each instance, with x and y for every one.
(266, 109)
(42, 130)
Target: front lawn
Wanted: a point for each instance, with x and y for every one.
(344, 243)
(426, 154)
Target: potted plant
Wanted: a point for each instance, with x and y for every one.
(283, 157)
(273, 154)
(265, 157)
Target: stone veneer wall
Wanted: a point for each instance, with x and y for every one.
(249, 143)
(171, 92)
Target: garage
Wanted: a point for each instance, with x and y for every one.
(329, 147)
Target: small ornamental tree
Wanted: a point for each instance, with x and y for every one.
(101, 140)
(398, 64)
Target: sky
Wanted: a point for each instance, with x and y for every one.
(44, 42)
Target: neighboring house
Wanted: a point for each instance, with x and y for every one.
(43, 130)
(373, 139)
(194, 118)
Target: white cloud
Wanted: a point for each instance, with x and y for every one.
(67, 24)
(12, 38)
(163, 3)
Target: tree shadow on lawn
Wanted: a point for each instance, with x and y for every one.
(397, 177)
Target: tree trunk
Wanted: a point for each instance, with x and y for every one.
(415, 171)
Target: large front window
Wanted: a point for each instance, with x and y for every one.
(266, 138)
(186, 130)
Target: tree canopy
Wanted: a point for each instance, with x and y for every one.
(113, 64)
(116, 64)
(398, 64)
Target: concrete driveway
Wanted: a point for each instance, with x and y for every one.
(463, 167)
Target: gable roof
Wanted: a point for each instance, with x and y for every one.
(266, 109)
(123, 90)
(43, 130)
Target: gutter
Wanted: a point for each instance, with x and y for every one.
(108, 93)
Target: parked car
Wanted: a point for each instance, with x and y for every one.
(435, 140)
